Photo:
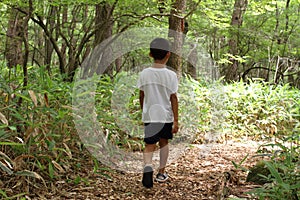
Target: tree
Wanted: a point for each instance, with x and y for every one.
(74, 28)
(176, 27)
(14, 40)
(16, 55)
(104, 29)
(51, 26)
(62, 33)
(234, 41)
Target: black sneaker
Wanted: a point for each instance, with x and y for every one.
(148, 177)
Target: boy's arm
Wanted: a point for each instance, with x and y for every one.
(142, 95)
(174, 104)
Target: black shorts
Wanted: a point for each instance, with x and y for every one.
(155, 131)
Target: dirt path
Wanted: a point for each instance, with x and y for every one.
(195, 175)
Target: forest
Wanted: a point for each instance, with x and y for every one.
(70, 119)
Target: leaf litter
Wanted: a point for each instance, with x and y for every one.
(199, 173)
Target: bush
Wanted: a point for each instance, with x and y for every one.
(211, 110)
(283, 179)
(260, 110)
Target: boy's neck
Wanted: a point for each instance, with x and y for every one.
(159, 64)
(156, 65)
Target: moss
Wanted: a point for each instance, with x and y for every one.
(254, 174)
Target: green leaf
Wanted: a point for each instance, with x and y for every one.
(51, 170)
(11, 143)
(77, 180)
(5, 157)
(274, 172)
(235, 165)
(3, 194)
(13, 128)
(5, 168)
(15, 196)
(29, 174)
(243, 160)
(297, 186)
(23, 97)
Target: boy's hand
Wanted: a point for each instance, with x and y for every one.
(175, 127)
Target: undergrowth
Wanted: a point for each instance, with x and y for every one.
(38, 138)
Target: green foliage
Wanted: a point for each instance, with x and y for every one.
(36, 125)
(239, 165)
(194, 105)
(284, 176)
(3, 195)
(105, 116)
(256, 109)
(260, 110)
(115, 113)
(269, 29)
(40, 131)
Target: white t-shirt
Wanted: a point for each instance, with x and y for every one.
(158, 84)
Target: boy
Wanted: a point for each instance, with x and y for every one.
(158, 100)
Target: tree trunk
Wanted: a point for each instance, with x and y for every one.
(61, 23)
(50, 24)
(240, 6)
(176, 29)
(26, 46)
(13, 51)
(286, 33)
(104, 26)
(22, 26)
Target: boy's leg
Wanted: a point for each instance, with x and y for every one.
(148, 153)
(148, 170)
(164, 154)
